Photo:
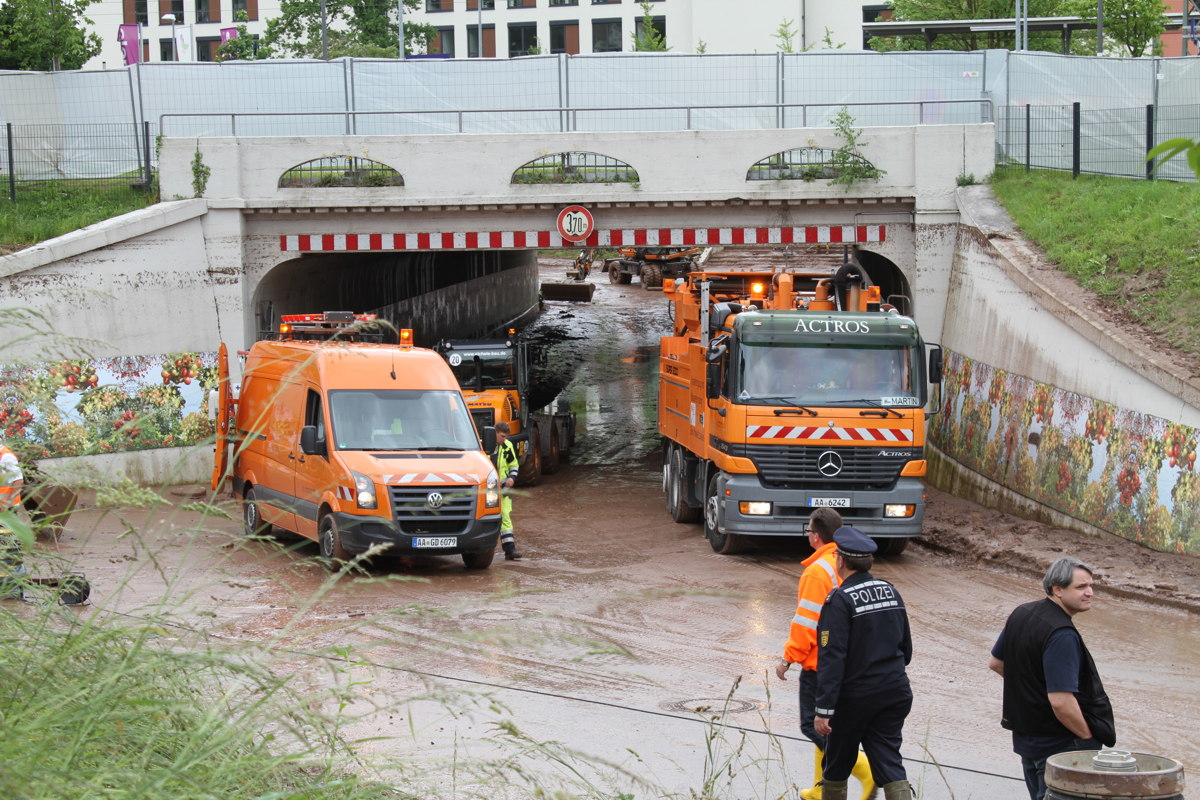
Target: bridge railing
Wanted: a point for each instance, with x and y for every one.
(757, 116)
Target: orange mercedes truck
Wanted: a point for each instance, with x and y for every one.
(356, 444)
(783, 391)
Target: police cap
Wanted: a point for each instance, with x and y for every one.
(853, 543)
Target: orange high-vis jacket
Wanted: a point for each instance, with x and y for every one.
(816, 582)
(10, 470)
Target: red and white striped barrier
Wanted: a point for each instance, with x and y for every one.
(524, 240)
(825, 432)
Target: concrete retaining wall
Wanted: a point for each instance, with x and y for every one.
(1050, 409)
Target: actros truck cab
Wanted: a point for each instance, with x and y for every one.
(781, 392)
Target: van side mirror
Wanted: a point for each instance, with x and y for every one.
(488, 435)
(308, 441)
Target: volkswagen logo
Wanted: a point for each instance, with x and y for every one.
(829, 464)
(435, 499)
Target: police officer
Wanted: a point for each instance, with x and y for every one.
(507, 467)
(863, 695)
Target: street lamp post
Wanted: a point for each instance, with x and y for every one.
(174, 45)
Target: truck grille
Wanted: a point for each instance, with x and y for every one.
(414, 516)
(797, 466)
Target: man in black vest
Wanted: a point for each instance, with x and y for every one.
(1053, 699)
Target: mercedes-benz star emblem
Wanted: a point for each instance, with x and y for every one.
(829, 463)
(435, 499)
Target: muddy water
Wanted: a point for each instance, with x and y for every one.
(622, 635)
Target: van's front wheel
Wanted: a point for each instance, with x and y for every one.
(329, 538)
(478, 559)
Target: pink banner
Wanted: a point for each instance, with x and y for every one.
(131, 48)
(227, 34)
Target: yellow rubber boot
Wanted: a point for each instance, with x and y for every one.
(862, 771)
(815, 792)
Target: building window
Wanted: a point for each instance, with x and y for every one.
(522, 3)
(442, 44)
(489, 41)
(166, 49)
(658, 23)
(208, 11)
(488, 5)
(606, 36)
(249, 6)
(604, 2)
(439, 5)
(207, 47)
(135, 12)
(564, 2)
(522, 39)
(564, 37)
(170, 7)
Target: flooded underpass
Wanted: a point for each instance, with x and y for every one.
(623, 651)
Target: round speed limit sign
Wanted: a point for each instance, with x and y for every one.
(575, 223)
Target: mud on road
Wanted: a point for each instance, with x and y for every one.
(622, 631)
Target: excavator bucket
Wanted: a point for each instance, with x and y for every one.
(580, 291)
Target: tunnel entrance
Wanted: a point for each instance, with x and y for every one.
(893, 284)
(436, 293)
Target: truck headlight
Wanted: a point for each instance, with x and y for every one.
(364, 491)
(757, 508)
(899, 510)
(491, 497)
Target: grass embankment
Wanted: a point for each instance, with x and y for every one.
(1134, 243)
(48, 210)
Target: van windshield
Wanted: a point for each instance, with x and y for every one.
(400, 419)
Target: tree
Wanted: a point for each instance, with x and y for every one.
(1135, 25)
(46, 34)
(912, 10)
(357, 28)
(646, 37)
(785, 37)
(244, 46)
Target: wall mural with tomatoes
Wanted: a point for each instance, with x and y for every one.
(84, 407)
(1128, 473)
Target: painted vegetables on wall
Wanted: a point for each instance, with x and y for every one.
(1128, 473)
(86, 406)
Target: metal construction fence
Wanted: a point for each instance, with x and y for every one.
(1107, 141)
(612, 92)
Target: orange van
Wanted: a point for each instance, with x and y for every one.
(358, 444)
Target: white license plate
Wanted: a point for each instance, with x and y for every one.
(437, 542)
(829, 502)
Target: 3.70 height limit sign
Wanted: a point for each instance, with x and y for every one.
(575, 223)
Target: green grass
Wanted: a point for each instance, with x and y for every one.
(1135, 243)
(43, 211)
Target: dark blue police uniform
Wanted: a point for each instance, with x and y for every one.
(864, 644)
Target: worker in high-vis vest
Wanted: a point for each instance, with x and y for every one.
(818, 579)
(11, 480)
(507, 467)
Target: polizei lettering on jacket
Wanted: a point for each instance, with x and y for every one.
(872, 596)
(832, 326)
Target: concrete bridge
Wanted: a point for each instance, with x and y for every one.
(446, 242)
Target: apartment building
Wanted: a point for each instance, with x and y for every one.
(512, 28)
(191, 29)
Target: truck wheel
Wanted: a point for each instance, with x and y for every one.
(252, 520)
(891, 545)
(667, 481)
(329, 538)
(530, 473)
(552, 461)
(614, 272)
(679, 508)
(651, 277)
(725, 544)
(479, 559)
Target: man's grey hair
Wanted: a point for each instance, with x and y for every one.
(1062, 572)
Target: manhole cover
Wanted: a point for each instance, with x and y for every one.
(712, 705)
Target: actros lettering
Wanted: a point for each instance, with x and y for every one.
(832, 326)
